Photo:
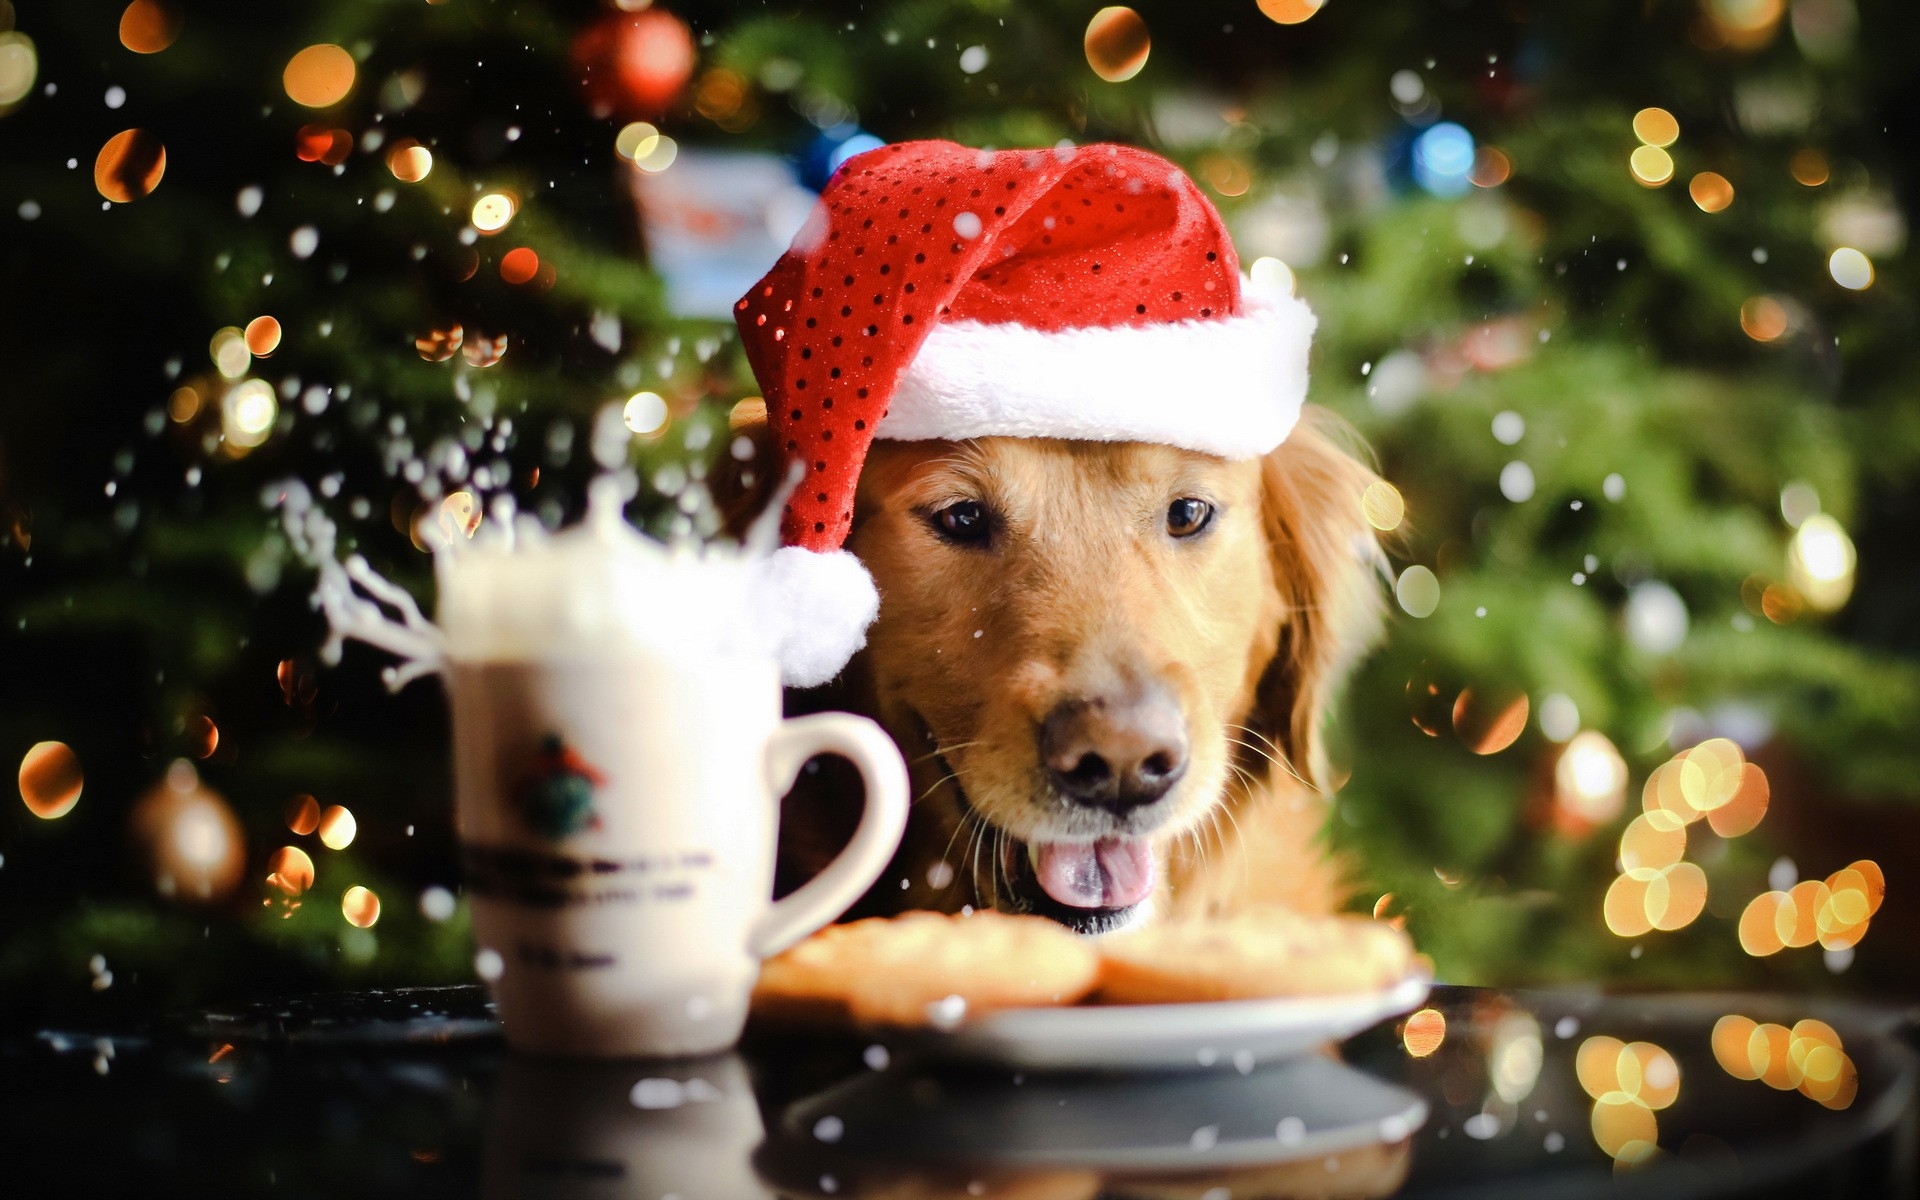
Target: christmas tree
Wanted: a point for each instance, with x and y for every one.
(1616, 295)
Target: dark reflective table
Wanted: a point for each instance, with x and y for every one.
(1488, 1094)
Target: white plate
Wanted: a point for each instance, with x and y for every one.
(1126, 1037)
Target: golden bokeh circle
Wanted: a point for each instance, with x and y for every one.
(337, 827)
(1290, 12)
(1677, 898)
(1619, 1122)
(1732, 1041)
(1760, 924)
(150, 26)
(1798, 919)
(1423, 1032)
(1489, 719)
(1625, 907)
(1383, 506)
(303, 815)
(1644, 844)
(51, 779)
(1711, 191)
(1808, 167)
(262, 335)
(319, 76)
(290, 870)
(1651, 166)
(492, 211)
(1745, 808)
(1656, 127)
(409, 161)
(360, 906)
(1596, 1064)
(1491, 167)
(1117, 43)
(130, 165)
(1763, 318)
(439, 345)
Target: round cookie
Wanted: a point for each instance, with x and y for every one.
(906, 970)
(1255, 955)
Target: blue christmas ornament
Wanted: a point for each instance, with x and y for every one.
(1442, 158)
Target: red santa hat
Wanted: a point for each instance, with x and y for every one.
(941, 292)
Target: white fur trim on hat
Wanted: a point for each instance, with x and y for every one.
(817, 608)
(1231, 386)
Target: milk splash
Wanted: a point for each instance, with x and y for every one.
(517, 591)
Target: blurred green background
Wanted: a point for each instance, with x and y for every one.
(1617, 292)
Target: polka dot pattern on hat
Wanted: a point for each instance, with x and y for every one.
(914, 234)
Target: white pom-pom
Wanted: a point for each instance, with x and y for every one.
(818, 607)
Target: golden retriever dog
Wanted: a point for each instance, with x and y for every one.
(1107, 665)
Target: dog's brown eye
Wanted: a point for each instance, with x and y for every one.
(962, 521)
(1188, 516)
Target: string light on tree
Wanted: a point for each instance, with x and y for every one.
(1820, 562)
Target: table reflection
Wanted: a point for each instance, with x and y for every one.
(596, 1131)
(1311, 1127)
(1536, 1096)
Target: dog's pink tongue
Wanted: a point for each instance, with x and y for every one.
(1110, 873)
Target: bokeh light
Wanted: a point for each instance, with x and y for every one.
(409, 161)
(303, 814)
(645, 412)
(247, 413)
(194, 847)
(492, 211)
(19, 67)
(1491, 167)
(636, 139)
(439, 345)
(1271, 275)
(1850, 269)
(460, 515)
(1809, 1058)
(50, 779)
(1290, 12)
(1489, 719)
(360, 907)
(290, 870)
(1656, 127)
(129, 166)
(1383, 506)
(1644, 844)
(1628, 1083)
(150, 26)
(1442, 157)
(202, 736)
(1763, 318)
(229, 351)
(1418, 591)
(1808, 167)
(1820, 563)
(519, 265)
(1760, 924)
(1711, 191)
(484, 350)
(1424, 1032)
(337, 827)
(1117, 43)
(1589, 780)
(658, 154)
(262, 336)
(319, 76)
(1651, 166)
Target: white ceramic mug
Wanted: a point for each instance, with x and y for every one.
(617, 818)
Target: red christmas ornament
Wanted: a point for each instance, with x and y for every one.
(633, 64)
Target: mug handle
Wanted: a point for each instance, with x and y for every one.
(883, 821)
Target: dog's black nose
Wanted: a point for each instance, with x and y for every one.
(1115, 752)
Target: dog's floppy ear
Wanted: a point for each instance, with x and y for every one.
(743, 482)
(1327, 565)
